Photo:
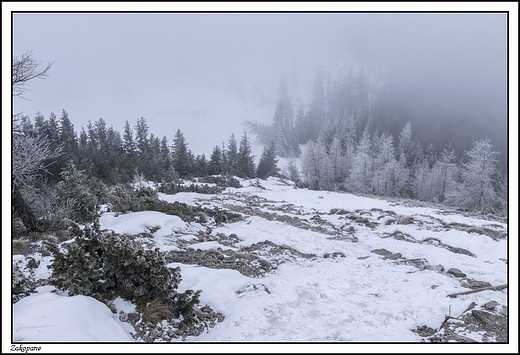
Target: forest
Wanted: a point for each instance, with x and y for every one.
(344, 141)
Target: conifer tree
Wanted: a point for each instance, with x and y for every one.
(479, 176)
(181, 155)
(283, 125)
(67, 136)
(267, 166)
(215, 165)
(245, 163)
(232, 155)
(362, 166)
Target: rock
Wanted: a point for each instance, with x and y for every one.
(456, 272)
(474, 284)
(458, 250)
(490, 321)
(490, 305)
(425, 331)
(133, 317)
(387, 254)
(438, 268)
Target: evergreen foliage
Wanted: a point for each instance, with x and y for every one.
(106, 265)
(245, 162)
(267, 166)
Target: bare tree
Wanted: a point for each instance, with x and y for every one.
(24, 70)
(30, 154)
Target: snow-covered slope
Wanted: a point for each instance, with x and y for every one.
(323, 267)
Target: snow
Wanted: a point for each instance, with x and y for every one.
(358, 297)
(49, 317)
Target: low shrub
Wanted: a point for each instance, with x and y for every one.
(106, 265)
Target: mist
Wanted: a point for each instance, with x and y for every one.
(207, 73)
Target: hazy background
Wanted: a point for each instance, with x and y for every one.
(206, 73)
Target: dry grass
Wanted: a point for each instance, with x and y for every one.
(155, 311)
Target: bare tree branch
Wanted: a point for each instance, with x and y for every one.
(24, 70)
(31, 155)
(493, 288)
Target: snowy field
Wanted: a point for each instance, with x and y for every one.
(346, 269)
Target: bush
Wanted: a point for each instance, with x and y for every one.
(125, 199)
(173, 188)
(79, 191)
(221, 181)
(105, 265)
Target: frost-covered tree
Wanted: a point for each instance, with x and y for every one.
(385, 166)
(32, 154)
(408, 156)
(314, 165)
(362, 165)
(335, 170)
(479, 175)
(444, 174)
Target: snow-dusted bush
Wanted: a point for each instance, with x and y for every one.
(221, 181)
(172, 188)
(106, 265)
(21, 284)
(80, 192)
(125, 199)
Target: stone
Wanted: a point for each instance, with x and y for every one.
(456, 272)
(474, 284)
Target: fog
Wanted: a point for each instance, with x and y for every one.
(207, 73)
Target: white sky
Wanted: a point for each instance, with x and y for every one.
(205, 73)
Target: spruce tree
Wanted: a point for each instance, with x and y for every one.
(267, 166)
(67, 136)
(181, 155)
(245, 163)
(232, 155)
(215, 166)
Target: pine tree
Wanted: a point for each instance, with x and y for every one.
(67, 136)
(317, 111)
(245, 163)
(128, 142)
(130, 153)
(141, 136)
(283, 125)
(201, 165)
(181, 155)
(232, 155)
(267, 166)
(39, 123)
(215, 166)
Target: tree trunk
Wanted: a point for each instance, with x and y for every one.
(22, 210)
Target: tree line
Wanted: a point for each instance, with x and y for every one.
(53, 164)
(348, 146)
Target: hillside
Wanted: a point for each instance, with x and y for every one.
(302, 266)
